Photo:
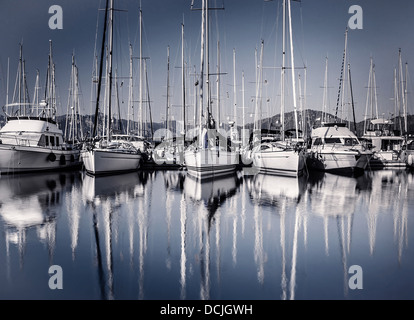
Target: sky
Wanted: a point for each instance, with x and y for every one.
(318, 32)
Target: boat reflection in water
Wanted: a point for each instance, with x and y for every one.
(279, 194)
(110, 197)
(207, 197)
(165, 235)
(30, 206)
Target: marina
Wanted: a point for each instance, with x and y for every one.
(206, 186)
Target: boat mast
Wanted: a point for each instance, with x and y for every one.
(131, 96)
(111, 12)
(167, 111)
(293, 71)
(282, 76)
(183, 78)
(234, 87)
(203, 17)
(352, 98)
(341, 77)
(243, 117)
(209, 117)
(149, 100)
(405, 98)
(402, 90)
(396, 100)
(36, 94)
(325, 92)
(95, 124)
(140, 73)
(218, 83)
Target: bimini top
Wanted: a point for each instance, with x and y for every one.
(329, 130)
(30, 125)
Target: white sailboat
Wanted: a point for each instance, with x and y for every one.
(386, 143)
(284, 157)
(105, 155)
(31, 139)
(210, 155)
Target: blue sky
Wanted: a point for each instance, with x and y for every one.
(318, 28)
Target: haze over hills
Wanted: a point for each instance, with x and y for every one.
(311, 119)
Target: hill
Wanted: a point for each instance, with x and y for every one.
(310, 118)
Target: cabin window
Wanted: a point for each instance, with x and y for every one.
(57, 141)
(264, 147)
(317, 142)
(332, 140)
(46, 141)
(350, 141)
(42, 141)
(52, 141)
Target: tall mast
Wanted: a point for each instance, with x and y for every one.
(352, 98)
(402, 89)
(282, 76)
(95, 124)
(36, 94)
(234, 87)
(183, 78)
(325, 92)
(243, 128)
(208, 67)
(218, 83)
(203, 16)
(131, 97)
(342, 71)
(111, 16)
(405, 98)
(149, 100)
(293, 71)
(140, 73)
(167, 111)
(396, 98)
(7, 85)
(256, 115)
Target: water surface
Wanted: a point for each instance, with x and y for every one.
(162, 235)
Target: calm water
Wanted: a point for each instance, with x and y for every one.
(162, 235)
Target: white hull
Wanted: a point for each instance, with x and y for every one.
(281, 162)
(209, 163)
(389, 159)
(338, 161)
(107, 161)
(15, 159)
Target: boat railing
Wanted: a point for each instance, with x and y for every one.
(26, 110)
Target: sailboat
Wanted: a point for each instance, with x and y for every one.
(169, 153)
(31, 139)
(285, 156)
(133, 135)
(334, 147)
(209, 156)
(105, 155)
(385, 141)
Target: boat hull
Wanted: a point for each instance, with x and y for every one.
(209, 163)
(388, 159)
(345, 161)
(283, 162)
(15, 159)
(107, 161)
